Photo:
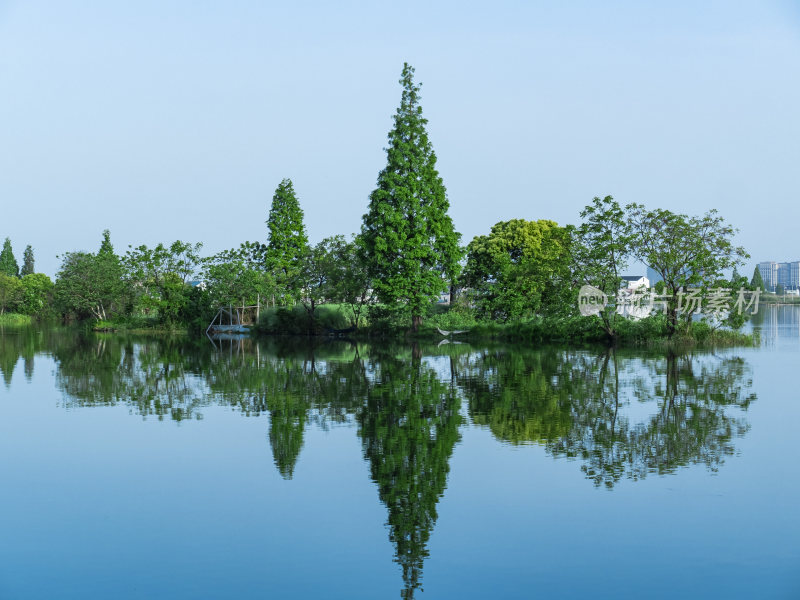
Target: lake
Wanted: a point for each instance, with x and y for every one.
(155, 467)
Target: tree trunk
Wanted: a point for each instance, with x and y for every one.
(416, 321)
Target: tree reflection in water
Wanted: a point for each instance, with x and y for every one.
(409, 427)
(578, 404)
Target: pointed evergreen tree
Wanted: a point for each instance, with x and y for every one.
(288, 242)
(106, 248)
(757, 282)
(408, 238)
(8, 264)
(27, 262)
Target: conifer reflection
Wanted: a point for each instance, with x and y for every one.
(409, 428)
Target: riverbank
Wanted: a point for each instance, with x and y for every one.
(443, 323)
(15, 320)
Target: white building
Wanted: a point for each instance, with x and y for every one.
(633, 282)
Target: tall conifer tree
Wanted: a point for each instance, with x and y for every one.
(757, 282)
(8, 264)
(27, 262)
(288, 243)
(407, 236)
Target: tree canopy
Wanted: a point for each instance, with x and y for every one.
(685, 251)
(287, 246)
(408, 239)
(27, 262)
(8, 264)
(601, 250)
(514, 268)
(757, 282)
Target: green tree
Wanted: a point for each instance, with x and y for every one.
(351, 284)
(36, 294)
(411, 248)
(86, 287)
(10, 289)
(27, 262)
(318, 276)
(519, 269)
(239, 275)
(162, 275)
(600, 252)
(8, 264)
(687, 252)
(91, 285)
(757, 282)
(287, 247)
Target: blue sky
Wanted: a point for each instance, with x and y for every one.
(177, 120)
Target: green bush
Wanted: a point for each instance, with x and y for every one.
(296, 321)
(14, 320)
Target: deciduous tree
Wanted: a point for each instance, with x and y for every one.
(519, 268)
(10, 289)
(685, 251)
(36, 294)
(162, 275)
(600, 252)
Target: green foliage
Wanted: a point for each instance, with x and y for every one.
(287, 247)
(449, 318)
(387, 319)
(350, 283)
(8, 264)
(757, 282)
(36, 295)
(297, 321)
(27, 262)
(600, 252)
(319, 272)
(409, 427)
(685, 251)
(198, 309)
(239, 276)
(407, 237)
(91, 285)
(14, 319)
(520, 269)
(161, 277)
(10, 291)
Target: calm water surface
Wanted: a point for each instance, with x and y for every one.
(174, 468)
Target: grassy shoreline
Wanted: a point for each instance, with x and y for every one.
(387, 326)
(646, 333)
(15, 320)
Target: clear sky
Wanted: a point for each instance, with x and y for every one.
(177, 120)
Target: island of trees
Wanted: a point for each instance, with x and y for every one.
(406, 271)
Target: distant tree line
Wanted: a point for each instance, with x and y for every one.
(405, 256)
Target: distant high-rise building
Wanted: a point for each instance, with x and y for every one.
(786, 274)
